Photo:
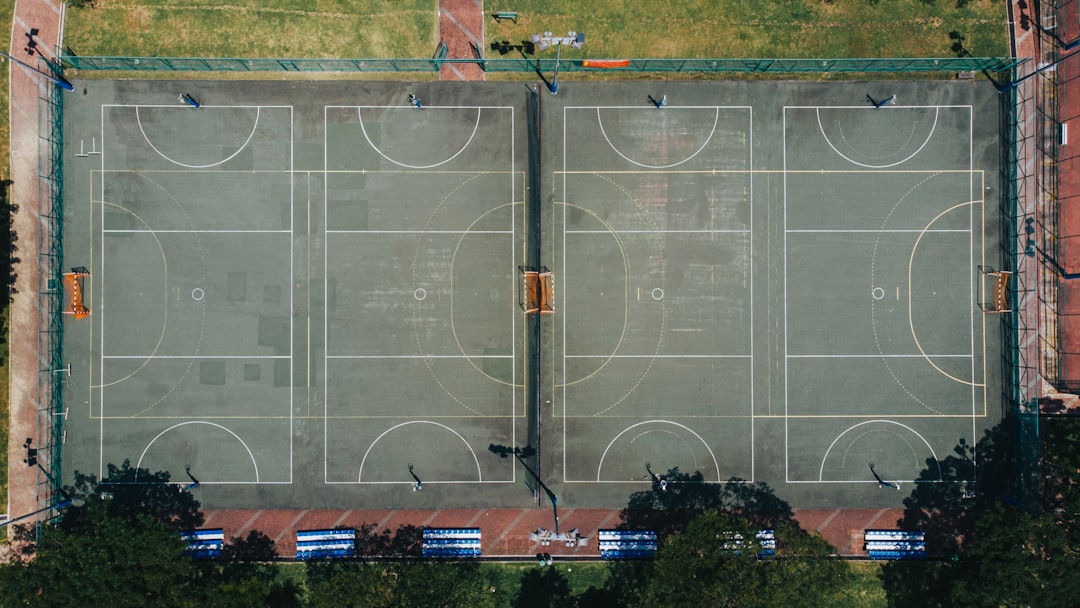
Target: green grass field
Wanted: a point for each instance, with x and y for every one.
(255, 28)
(779, 28)
(614, 28)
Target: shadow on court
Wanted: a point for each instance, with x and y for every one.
(678, 498)
(987, 520)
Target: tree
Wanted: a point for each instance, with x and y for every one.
(130, 492)
(248, 576)
(350, 584)
(1000, 549)
(438, 584)
(686, 497)
(1014, 558)
(107, 561)
(715, 562)
(543, 588)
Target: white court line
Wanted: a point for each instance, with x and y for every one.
(658, 356)
(178, 106)
(193, 231)
(866, 107)
(184, 357)
(255, 464)
(380, 152)
(360, 473)
(971, 231)
(821, 470)
(146, 138)
(619, 231)
(877, 231)
(466, 357)
(929, 136)
(512, 173)
(101, 280)
(712, 131)
(879, 356)
(659, 170)
(420, 232)
(600, 466)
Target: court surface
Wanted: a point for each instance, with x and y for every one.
(300, 289)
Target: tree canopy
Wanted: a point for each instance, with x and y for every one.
(718, 561)
(998, 548)
(118, 545)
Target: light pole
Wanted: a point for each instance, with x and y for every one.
(57, 80)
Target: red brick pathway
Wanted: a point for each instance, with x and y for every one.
(461, 26)
(45, 16)
(505, 532)
(1068, 96)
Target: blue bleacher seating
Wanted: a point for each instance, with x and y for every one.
(204, 544)
(627, 544)
(895, 544)
(325, 544)
(451, 542)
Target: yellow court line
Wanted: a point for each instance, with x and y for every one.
(911, 321)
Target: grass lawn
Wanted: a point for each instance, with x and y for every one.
(747, 28)
(614, 28)
(254, 28)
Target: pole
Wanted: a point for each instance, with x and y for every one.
(551, 495)
(59, 505)
(1012, 85)
(555, 77)
(57, 80)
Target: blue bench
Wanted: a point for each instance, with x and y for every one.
(204, 544)
(451, 542)
(881, 554)
(895, 544)
(913, 535)
(627, 544)
(325, 544)
(500, 15)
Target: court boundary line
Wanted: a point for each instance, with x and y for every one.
(468, 142)
(146, 138)
(615, 149)
(971, 254)
(100, 234)
(748, 150)
(929, 136)
(513, 173)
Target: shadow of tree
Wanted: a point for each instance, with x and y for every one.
(543, 588)
(131, 492)
(949, 514)
(687, 496)
(406, 541)
(8, 259)
(946, 512)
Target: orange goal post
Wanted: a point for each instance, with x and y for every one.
(73, 285)
(994, 290)
(536, 292)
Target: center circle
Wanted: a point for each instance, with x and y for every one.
(420, 294)
(878, 293)
(198, 294)
(657, 294)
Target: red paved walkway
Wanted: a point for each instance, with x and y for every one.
(461, 27)
(24, 366)
(505, 532)
(1068, 95)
